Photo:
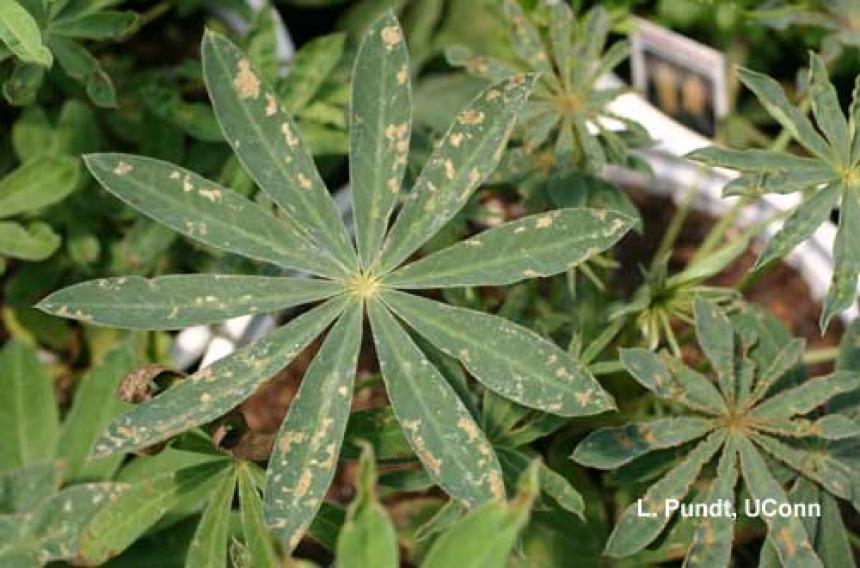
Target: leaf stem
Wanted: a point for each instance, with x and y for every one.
(822, 355)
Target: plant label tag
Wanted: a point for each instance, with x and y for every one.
(682, 77)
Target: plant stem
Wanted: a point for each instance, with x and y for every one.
(154, 13)
(674, 228)
(606, 368)
(823, 355)
(718, 231)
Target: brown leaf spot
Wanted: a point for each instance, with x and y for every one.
(288, 439)
(470, 117)
(246, 83)
(391, 36)
(303, 484)
(122, 168)
(271, 104)
(543, 222)
(403, 75)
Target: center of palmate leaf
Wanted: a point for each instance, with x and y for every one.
(363, 286)
(568, 104)
(736, 422)
(851, 176)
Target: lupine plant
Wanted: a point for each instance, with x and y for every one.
(826, 179)
(439, 385)
(306, 235)
(569, 56)
(747, 411)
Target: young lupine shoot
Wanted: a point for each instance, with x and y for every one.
(829, 177)
(745, 413)
(569, 56)
(307, 235)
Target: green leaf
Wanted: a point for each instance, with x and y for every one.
(633, 532)
(28, 409)
(202, 210)
(846, 259)
(509, 359)
(807, 396)
(95, 406)
(786, 533)
(179, 301)
(84, 67)
(22, 86)
(465, 156)
(20, 33)
(832, 544)
(556, 486)
(309, 69)
(712, 543)
(37, 241)
(610, 448)
(378, 427)
(452, 447)
(368, 537)
(37, 183)
(756, 161)
(303, 462)
(682, 384)
(526, 40)
(717, 339)
(102, 25)
(208, 548)
(257, 540)
(122, 521)
(535, 246)
(774, 100)
(820, 466)
(486, 536)
(827, 110)
(54, 527)
(800, 225)
(380, 125)
(24, 488)
(788, 357)
(213, 391)
(269, 145)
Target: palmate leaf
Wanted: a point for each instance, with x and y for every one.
(307, 446)
(534, 246)
(380, 128)
(463, 158)
(179, 301)
(750, 418)
(712, 542)
(507, 358)
(213, 391)
(208, 548)
(51, 531)
(306, 235)
(257, 540)
(440, 429)
(204, 211)
(268, 143)
(828, 179)
(124, 520)
(788, 534)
